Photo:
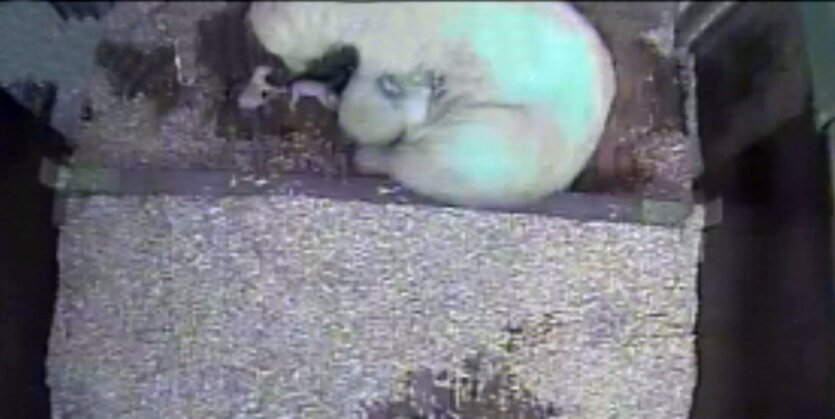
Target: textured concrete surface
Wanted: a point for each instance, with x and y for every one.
(305, 308)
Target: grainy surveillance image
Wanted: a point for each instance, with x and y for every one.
(416, 210)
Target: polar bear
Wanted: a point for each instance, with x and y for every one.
(476, 104)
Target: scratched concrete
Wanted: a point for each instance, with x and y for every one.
(301, 307)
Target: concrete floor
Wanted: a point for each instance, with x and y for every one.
(196, 306)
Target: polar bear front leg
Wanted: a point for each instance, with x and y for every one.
(373, 160)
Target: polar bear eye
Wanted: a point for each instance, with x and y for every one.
(390, 87)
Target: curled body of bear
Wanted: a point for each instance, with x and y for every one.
(527, 91)
(489, 156)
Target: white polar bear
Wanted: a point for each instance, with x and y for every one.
(526, 90)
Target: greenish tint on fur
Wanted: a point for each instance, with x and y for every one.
(533, 59)
(480, 155)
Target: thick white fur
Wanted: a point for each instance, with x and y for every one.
(423, 162)
(391, 36)
(402, 38)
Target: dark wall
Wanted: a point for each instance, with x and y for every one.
(765, 327)
(28, 270)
